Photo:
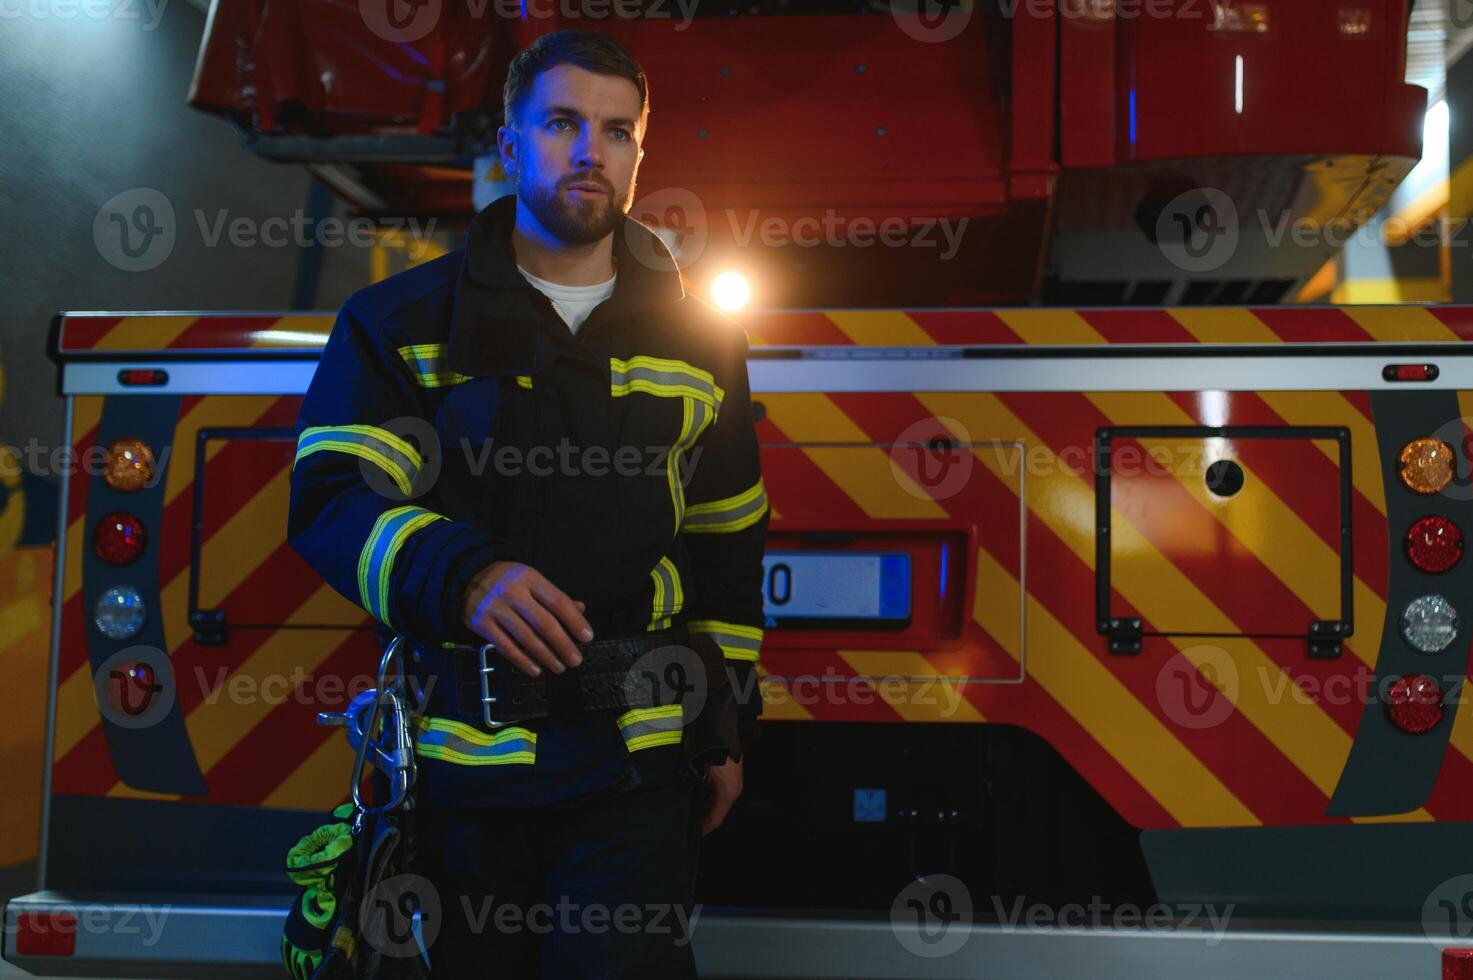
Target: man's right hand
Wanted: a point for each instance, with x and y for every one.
(527, 617)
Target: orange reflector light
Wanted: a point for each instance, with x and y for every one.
(129, 465)
(1415, 703)
(1426, 465)
(46, 934)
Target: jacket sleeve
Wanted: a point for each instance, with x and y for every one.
(355, 484)
(724, 527)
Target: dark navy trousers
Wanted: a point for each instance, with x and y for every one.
(597, 887)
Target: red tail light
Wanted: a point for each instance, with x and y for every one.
(46, 934)
(1415, 703)
(1434, 544)
(118, 538)
(1457, 964)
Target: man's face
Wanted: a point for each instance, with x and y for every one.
(575, 151)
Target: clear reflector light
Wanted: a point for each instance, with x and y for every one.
(120, 613)
(1429, 623)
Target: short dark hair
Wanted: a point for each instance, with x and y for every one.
(588, 50)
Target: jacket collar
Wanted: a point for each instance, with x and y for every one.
(501, 324)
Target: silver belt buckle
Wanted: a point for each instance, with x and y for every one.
(488, 668)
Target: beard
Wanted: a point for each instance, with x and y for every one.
(580, 222)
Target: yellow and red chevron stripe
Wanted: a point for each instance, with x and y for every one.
(250, 704)
(116, 333)
(1273, 758)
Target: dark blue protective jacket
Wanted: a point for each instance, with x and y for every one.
(454, 421)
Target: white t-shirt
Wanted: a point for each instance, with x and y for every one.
(573, 303)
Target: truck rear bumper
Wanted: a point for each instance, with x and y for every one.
(194, 936)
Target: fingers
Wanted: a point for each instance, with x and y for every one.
(526, 638)
(721, 804)
(548, 632)
(565, 609)
(529, 619)
(507, 648)
(725, 785)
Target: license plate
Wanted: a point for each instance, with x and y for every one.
(817, 588)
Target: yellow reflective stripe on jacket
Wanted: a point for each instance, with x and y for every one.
(728, 514)
(448, 740)
(665, 377)
(696, 416)
(393, 455)
(645, 728)
(669, 597)
(737, 642)
(429, 363)
(376, 560)
(525, 381)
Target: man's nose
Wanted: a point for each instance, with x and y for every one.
(586, 150)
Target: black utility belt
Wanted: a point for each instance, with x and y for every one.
(644, 671)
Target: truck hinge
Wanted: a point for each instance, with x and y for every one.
(1124, 634)
(209, 627)
(1325, 637)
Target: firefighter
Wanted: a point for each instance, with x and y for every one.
(541, 442)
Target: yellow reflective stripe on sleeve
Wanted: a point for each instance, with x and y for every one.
(669, 597)
(665, 377)
(728, 514)
(393, 455)
(645, 728)
(696, 415)
(448, 740)
(525, 381)
(737, 642)
(376, 560)
(429, 363)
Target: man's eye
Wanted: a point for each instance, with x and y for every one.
(557, 123)
(620, 134)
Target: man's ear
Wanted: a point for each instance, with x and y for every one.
(506, 145)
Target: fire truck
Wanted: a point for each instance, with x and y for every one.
(1103, 637)
(1145, 607)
